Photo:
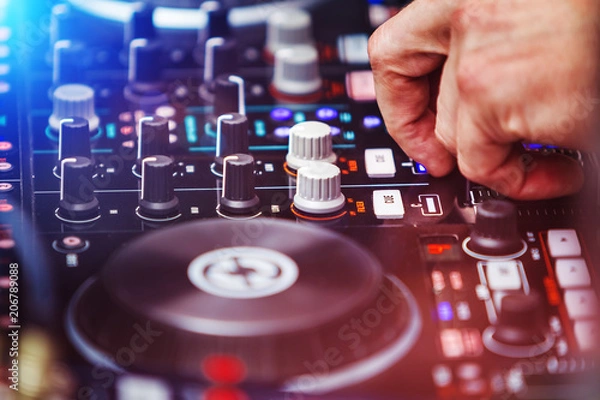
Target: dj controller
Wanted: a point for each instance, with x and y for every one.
(199, 200)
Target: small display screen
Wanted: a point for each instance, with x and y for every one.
(440, 248)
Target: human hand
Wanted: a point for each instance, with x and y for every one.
(466, 81)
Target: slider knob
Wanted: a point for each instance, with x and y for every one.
(232, 138)
(157, 200)
(73, 140)
(495, 232)
(239, 196)
(78, 203)
(318, 189)
(73, 100)
(309, 141)
(287, 28)
(296, 71)
(153, 139)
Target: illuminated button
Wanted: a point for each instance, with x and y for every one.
(4, 69)
(372, 122)
(468, 371)
(444, 310)
(581, 304)
(7, 244)
(418, 168)
(452, 343)
(166, 111)
(438, 281)
(282, 132)
(335, 131)
(442, 375)
(456, 280)
(6, 146)
(587, 334)
(360, 85)
(326, 113)
(4, 87)
(572, 272)
(563, 243)
(72, 243)
(4, 51)
(503, 275)
(5, 207)
(387, 204)
(281, 114)
(5, 166)
(463, 311)
(6, 187)
(379, 163)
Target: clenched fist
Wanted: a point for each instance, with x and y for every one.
(468, 81)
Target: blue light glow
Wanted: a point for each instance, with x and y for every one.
(326, 113)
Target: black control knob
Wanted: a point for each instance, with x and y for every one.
(145, 88)
(239, 196)
(153, 139)
(157, 200)
(229, 95)
(69, 62)
(141, 24)
(217, 24)
(495, 232)
(521, 321)
(232, 138)
(220, 58)
(73, 140)
(78, 203)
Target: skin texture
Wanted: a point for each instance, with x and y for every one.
(464, 82)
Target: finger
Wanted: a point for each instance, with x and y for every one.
(506, 168)
(404, 52)
(448, 102)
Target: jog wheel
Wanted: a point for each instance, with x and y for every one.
(283, 304)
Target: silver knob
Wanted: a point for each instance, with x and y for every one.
(73, 100)
(309, 141)
(318, 190)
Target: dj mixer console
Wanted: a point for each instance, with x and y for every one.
(199, 200)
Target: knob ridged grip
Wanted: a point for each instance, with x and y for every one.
(310, 141)
(73, 100)
(158, 198)
(495, 232)
(318, 189)
(232, 137)
(296, 71)
(77, 199)
(239, 195)
(287, 28)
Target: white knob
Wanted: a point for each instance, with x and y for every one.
(288, 27)
(309, 141)
(73, 100)
(296, 71)
(318, 189)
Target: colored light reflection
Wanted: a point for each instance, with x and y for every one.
(224, 369)
(281, 114)
(445, 311)
(372, 122)
(282, 131)
(326, 113)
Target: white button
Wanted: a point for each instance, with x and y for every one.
(352, 49)
(463, 311)
(587, 334)
(572, 272)
(582, 304)
(360, 85)
(503, 275)
(132, 387)
(563, 243)
(379, 163)
(387, 204)
(452, 343)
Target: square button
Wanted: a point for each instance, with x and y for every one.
(387, 204)
(503, 275)
(379, 163)
(582, 304)
(572, 272)
(587, 334)
(563, 243)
